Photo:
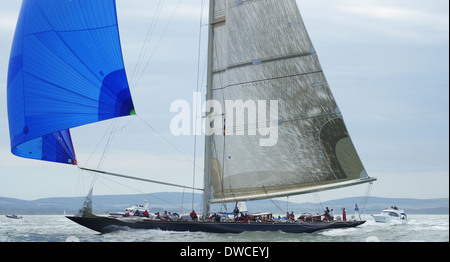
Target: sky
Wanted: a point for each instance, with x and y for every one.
(386, 61)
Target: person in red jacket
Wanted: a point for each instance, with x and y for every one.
(344, 215)
(194, 215)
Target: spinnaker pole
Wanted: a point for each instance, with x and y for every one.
(137, 178)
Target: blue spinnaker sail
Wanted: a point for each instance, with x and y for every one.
(66, 70)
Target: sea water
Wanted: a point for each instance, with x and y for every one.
(57, 228)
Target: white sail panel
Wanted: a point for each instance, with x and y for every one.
(262, 58)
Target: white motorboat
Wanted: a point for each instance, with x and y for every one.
(132, 210)
(391, 215)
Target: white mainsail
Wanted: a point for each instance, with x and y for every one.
(260, 51)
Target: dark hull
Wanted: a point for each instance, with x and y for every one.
(13, 217)
(107, 225)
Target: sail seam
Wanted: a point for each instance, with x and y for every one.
(59, 86)
(67, 31)
(268, 79)
(264, 60)
(74, 53)
(253, 126)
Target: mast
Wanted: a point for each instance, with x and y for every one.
(206, 176)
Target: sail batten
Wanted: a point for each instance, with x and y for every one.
(66, 70)
(260, 57)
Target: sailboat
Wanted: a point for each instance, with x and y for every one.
(66, 70)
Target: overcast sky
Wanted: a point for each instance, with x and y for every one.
(387, 63)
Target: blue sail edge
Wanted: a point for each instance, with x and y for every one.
(66, 70)
(56, 147)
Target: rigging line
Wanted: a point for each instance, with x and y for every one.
(366, 197)
(157, 44)
(107, 146)
(276, 205)
(99, 207)
(105, 134)
(167, 140)
(199, 45)
(205, 66)
(287, 207)
(147, 40)
(196, 106)
(108, 143)
(94, 180)
(318, 203)
(225, 162)
(182, 202)
(95, 149)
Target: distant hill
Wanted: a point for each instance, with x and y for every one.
(177, 202)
